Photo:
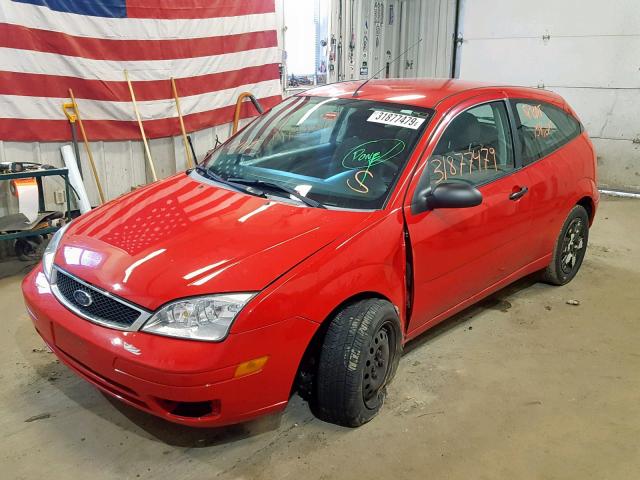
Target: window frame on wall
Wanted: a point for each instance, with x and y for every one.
(543, 153)
(320, 52)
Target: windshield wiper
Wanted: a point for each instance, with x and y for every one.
(279, 187)
(205, 172)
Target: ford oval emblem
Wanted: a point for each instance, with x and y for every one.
(82, 298)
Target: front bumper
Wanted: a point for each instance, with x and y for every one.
(183, 381)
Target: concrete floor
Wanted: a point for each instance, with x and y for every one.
(523, 386)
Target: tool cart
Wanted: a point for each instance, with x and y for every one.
(28, 235)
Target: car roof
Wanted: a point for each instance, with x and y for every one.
(420, 92)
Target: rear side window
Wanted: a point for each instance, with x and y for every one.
(543, 128)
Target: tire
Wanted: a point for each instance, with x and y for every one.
(29, 249)
(570, 248)
(359, 357)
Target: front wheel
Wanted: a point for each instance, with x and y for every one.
(358, 359)
(570, 248)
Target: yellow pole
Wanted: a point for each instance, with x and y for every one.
(184, 132)
(87, 147)
(144, 137)
(236, 115)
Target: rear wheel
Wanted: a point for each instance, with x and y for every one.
(358, 359)
(570, 248)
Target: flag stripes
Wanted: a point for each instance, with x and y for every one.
(26, 130)
(215, 50)
(23, 38)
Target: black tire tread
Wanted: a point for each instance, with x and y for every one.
(551, 274)
(337, 388)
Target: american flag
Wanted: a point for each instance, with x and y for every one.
(215, 49)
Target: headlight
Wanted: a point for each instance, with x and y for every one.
(200, 318)
(50, 251)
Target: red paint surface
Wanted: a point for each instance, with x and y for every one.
(18, 36)
(24, 130)
(175, 9)
(304, 263)
(15, 83)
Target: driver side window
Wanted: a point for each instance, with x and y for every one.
(475, 148)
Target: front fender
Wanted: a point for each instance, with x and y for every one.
(370, 261)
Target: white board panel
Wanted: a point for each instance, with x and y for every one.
(618, 162)
(515, 18)
(586, 50)
(606, 113)
(608, 62)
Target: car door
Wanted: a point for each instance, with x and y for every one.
(459, 253)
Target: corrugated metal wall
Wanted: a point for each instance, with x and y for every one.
(381, 30)
(588, 51)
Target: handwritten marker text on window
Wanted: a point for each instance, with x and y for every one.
(478, 158)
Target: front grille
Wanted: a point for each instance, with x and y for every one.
(103, 308)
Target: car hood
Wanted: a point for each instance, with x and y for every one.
(182, 237)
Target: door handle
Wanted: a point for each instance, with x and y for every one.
(519, 193)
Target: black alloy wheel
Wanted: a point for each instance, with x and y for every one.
(573, 245)
(570, 248)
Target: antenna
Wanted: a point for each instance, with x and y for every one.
(355, 94)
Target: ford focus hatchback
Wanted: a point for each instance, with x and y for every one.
(304, 252)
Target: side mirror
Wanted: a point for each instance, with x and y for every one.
(449, 195)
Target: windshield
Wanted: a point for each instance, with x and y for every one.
(344, 153)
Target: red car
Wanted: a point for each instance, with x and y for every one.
(305, 252)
